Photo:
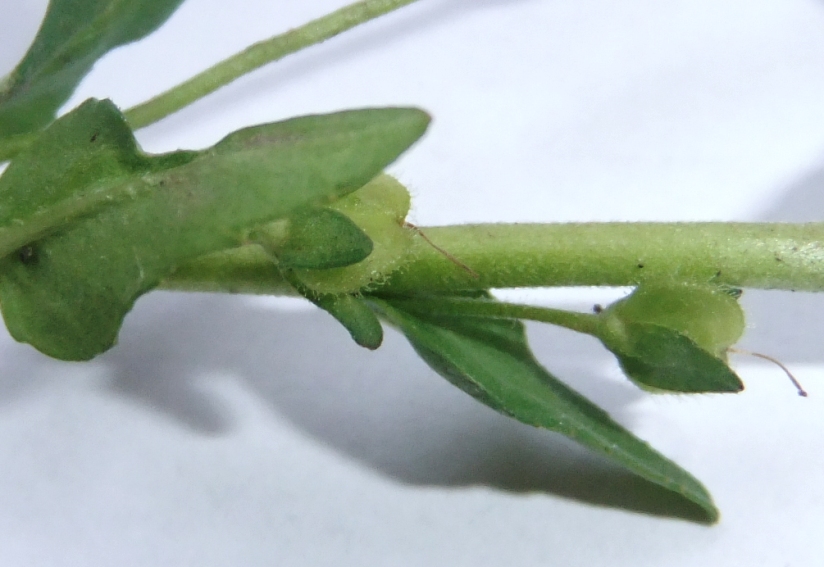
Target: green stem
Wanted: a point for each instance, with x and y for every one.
(755, 255)
(765, 255)
(247, 269)
(256, 56)
(469, 307)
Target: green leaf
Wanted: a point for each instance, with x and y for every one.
(73, 35)
(675, 337)
(315, 238)
(84, 161)
(661, 359)
(490, 360)
(134, 217)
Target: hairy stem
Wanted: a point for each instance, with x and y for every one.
(247, 269)
(256, 56)
(762, 255)
(468, 307)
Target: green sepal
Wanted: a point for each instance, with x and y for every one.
(379, 208)
(491, 360)
(356, 316)
(314, 238)
(349, 310)
(659, 359)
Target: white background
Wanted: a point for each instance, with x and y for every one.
(244, 431)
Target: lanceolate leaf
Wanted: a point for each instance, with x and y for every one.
(490, 360)
(68, 289)
(73, 35)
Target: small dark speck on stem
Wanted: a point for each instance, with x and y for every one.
(640, 265)
(94, 137)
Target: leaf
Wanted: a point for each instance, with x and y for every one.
(73, 36)
(315, 238)
(490, 360)
(82, 162)
(145, 215)
(675, 337)
(661, 359)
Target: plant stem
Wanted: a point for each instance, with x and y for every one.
(763, 255)
(470, 307)
(756, 255)
(247, 269)
(256, 56)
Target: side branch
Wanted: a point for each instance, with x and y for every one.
(256, 56)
